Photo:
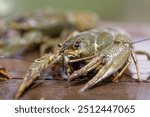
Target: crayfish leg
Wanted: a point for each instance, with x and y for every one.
(122, 71)
(134, 57)
(143, 53)
(34, 71)
(115, 58)
(102, 74)
(87, 68)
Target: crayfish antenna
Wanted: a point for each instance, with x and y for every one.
(146, 39)
(34, 71)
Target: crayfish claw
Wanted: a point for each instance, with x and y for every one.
(34, 71)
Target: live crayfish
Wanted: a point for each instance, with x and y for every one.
(104, 51)
(43, 28)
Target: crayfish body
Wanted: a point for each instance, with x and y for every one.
(104, 51)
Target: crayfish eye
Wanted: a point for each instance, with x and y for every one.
(76, 44)
(116, 42)
(59, 45)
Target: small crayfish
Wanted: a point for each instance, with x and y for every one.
(41, 29)
(105, 51)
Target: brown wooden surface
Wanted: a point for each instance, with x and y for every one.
(127, 88)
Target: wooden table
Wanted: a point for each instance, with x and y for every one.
(127, 88)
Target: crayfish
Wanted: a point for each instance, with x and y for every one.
(41, 29)
(105, 52)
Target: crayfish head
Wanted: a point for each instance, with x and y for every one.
(79, 46)
(122, 38)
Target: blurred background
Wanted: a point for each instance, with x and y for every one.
(109, 10)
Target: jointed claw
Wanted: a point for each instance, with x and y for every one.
(34, 71)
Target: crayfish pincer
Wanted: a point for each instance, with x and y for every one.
(104, 51)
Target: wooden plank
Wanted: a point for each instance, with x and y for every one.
(127, 88)
(59, 89)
